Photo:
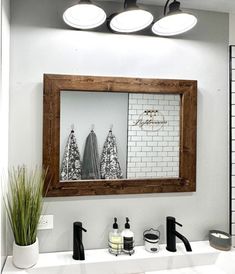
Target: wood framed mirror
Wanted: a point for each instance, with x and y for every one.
(184, 92)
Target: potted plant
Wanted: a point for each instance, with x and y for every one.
(23, 203)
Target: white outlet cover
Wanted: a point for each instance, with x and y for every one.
(46, 222)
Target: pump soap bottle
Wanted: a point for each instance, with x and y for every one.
(128, 238)
(115, 239)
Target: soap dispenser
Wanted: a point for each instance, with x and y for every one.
(128, 238)
(115, 239)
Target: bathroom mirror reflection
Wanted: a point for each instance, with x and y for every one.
(150, 123)
(137, 135)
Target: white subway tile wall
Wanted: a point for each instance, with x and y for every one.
(232, 144)
(153, 153)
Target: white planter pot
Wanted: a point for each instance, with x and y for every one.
(25, 256)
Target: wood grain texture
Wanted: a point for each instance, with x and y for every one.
(54, 84)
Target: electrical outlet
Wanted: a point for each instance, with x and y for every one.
(45, 222)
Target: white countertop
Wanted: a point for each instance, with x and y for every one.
(199, 249)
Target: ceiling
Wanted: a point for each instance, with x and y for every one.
(212, 5)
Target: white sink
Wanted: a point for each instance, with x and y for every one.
(203, 260)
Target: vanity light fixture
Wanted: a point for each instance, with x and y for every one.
(84, 15)
(174, 22)
(132, 19)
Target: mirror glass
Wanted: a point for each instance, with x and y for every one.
(136, 135)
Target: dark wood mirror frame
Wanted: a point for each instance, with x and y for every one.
(54, 84)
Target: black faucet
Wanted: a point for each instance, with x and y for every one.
(171, 235)
(78, 248)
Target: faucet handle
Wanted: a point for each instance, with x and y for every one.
(178, 224)
(83, 229)
(79, 226)
(171, 220)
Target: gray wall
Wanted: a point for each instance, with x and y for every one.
(40, 45)
(4, 113)
(231, 28)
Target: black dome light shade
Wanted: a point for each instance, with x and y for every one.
(174, 22)
(84, 15)
(132, 19)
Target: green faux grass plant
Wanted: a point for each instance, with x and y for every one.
(24, 202)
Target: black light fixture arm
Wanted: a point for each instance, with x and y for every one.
(165, 7)
(174, 6)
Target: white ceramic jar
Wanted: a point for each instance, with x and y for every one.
(151, 240)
